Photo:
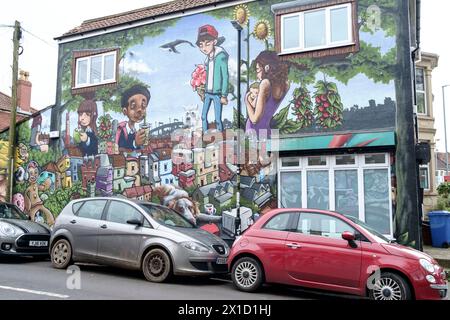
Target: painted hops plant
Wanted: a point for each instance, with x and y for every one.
(302, 107)
(328, 106)
(105, 127)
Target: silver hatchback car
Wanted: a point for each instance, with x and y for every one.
(135, 235)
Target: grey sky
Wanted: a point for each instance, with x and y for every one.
(47, 19)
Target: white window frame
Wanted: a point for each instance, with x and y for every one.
(88, 74)
(331, 166)
(424, 93)
(329, 44)
(426, 166)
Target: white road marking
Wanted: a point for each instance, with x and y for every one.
(41, 293)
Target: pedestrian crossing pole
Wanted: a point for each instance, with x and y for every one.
(12, 124)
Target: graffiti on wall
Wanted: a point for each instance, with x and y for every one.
(117, 138)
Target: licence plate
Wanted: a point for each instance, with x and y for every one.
(38, 243)
(221, 261)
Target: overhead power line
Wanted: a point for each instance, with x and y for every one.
(39, 38)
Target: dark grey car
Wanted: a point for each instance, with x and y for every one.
(19, 236)
(135, 235)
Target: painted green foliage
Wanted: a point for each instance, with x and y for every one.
(122, 40)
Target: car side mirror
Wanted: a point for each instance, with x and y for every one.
(135, 222)
(349, 236)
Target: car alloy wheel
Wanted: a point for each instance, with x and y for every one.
(390, 287)
(247, 274)
(61, 254)
(156, 266)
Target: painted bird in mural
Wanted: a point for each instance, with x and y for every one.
(171, 46)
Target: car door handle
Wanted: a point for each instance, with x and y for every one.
(293, 245)
(73, 221)
(104, 226)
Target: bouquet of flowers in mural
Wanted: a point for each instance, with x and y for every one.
(328, 106)
(302, 107)
(198, 80)
(105, 127)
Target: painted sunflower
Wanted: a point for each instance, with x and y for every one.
(241, 14)
(262, 30)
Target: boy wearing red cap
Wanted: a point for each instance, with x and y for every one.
(216, 88)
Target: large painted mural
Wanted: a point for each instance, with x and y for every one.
(178, 78)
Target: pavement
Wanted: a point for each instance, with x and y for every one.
(29, 279)
(441, 255)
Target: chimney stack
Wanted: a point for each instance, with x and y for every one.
(24, 91)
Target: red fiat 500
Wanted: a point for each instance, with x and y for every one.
(329, 251)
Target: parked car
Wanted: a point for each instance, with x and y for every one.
(19, 236)
(135, 235)
(329, 251)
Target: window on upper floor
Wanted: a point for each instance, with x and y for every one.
(421, 100)
(94, 69)
(329, 27)
(425, 177)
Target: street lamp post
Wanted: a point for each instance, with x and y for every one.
(238, 27)
(445, 128)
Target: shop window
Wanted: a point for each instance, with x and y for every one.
(376, 199)
(347, 159)
(328, 27)
(346, 192)
(290, 162)
(318, 189)
(291, 189)
(375, 158)
(317, 161)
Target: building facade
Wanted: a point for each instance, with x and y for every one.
(327, 107)
(426, 126)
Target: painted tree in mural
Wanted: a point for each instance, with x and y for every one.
(379, 67)
(122, 40)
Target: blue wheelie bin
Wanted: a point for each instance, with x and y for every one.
(440, 228)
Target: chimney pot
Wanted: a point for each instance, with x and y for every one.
(24, 91)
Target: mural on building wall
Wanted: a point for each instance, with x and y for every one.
(181, 76)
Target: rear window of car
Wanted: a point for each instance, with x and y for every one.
(76, 206)
(92, 209)
(279, 223)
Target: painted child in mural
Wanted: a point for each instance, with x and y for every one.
(38, 141)
(85, 136)
(134, 105)
(33, 203)
(217, 76)
(273, 87)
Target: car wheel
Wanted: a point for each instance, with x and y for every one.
(390, 286)
(156, 266)
(61, 254)
(247, 274)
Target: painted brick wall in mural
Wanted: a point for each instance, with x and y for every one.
(181, 74)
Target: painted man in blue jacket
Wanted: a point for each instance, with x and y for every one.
(134, 105)
(216, 88)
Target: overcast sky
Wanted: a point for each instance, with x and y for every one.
(46, 19)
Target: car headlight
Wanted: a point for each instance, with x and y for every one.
(195, 246)
(427, 265)
(9, 230)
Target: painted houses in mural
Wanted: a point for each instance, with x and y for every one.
(145, 99)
